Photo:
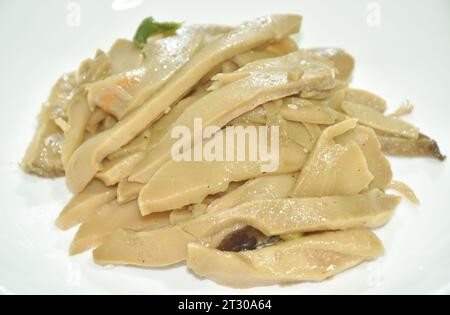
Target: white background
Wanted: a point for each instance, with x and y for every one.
(405, 55)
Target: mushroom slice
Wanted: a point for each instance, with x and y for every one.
(342, 60)
(262, 188)
(86, 161)
(332, 168)
(43, 156)
(377, 163)
(267, 80)
(421, 147)
(128, 191)
(271, 217)
(110, 218)
(178, 184)
(121, 93)
(366, 98)
(374, 119)
(310, 258)
(84, 204)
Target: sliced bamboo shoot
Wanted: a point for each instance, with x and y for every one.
(377, 163)
(369, 210)
(178, 184)
(263, 188)
(110, 218)
(85, 162)
(121, 93)
(310, 258)
(267, 80)
(84, 204)
(372, 118)
(334, 169)
(128, 191)
(343, 61)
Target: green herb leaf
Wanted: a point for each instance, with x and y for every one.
(150, 28)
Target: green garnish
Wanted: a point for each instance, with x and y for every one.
(150, 28)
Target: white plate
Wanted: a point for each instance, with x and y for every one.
(402, 51)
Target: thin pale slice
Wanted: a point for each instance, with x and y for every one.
(111, 217)
(366, 98)
(342, 60)
(373, 118)
(124, 56)
(128, 191)
(263, 188)
(84, 204)
(78, 115)
(311, 114)
(158, 248)
(377, 163)
(310, 258)
(298, 133)
(267, 80)
(334, 169)
(86, 161)
(283, 216)
(252, 56)
(116, 170)
(121, 93)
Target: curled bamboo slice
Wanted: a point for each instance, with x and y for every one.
(405, 190)
(85, 162)
(111, 217)
(309, 258)
(377, 163)
(332, 168)
(84, 204)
